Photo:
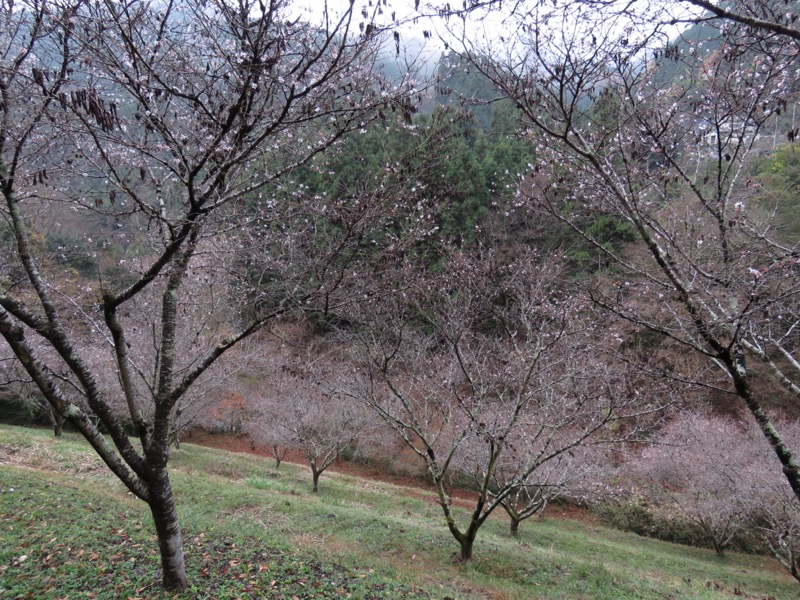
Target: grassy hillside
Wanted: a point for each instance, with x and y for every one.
(69, 530)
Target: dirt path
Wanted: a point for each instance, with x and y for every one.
(239, 443)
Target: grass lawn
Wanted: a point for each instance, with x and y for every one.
(69, 529)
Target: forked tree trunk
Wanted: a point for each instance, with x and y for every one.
(466, 539)
(168, 531)
(466, 547)
(514, 527)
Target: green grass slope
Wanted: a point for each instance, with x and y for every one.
(68, 529)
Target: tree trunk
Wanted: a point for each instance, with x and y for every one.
(56, 421)
(315, 477)
(466, 547)
(791, 469)
(514, 527)
(170, 542)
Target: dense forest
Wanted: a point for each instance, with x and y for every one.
(560, 265)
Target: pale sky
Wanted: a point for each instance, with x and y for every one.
(412, 23)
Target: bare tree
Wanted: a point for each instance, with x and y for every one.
(668, 156)
(772, 507)
(485, 366)
(298, 411)
(692, 469)
(777, 518)
(153, 133)
(726, 489)
(573, 476)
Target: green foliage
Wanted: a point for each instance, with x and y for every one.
(463, 85)
(116, 276)
(464, 156)
(611, 232)
(779, 177)
(604, 115)
(507, 154)
(458, 168)
(638, 516)
(584, 256)
(447, 165)
(78, 255)
(72, 253)
(18, 410)
(459, 182)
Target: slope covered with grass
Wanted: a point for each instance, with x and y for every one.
(68, 529)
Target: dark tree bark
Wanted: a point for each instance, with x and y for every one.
(165, 517)
(514, 527)
(466, 548)
(315, 478)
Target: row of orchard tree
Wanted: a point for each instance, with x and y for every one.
(683, 473)
(236, 166)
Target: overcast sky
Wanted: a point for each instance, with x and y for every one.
(411, 23)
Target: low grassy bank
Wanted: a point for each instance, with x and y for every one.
(68, 529)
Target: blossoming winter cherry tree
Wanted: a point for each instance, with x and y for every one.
(151, 132)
